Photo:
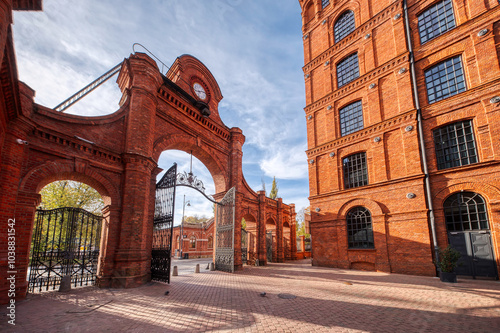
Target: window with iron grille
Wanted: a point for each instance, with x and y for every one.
(347, 70)
(355, 170)
(351, 118)
(344, 26)
(325, 3)
(192, 242)
(436, 20)
(359, 229)
(465, 211)
(445, 79)
(455, 145)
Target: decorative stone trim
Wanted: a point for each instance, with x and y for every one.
(362, 134)
(358, 83)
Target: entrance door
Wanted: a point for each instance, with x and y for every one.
(162, 226)
(269, 246)
(65, 243)
(469, 233)
(224, 251)
(477, 253)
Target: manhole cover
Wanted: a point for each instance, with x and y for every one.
(287, 296)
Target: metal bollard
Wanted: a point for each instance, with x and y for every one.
(212, 266)
(197, 269)
(174, 272)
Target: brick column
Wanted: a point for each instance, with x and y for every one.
(5, 21)
(140, 79)
(293, 232)
(12, 160)
(236, 179)
(279, 231)
(261, 228)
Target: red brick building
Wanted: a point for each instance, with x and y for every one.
(117, 155)
(403, 129)
(198, 240)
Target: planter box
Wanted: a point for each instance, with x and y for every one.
(448, 277)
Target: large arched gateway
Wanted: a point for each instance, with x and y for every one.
(117, 154)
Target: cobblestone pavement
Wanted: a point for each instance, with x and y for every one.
(327, 300)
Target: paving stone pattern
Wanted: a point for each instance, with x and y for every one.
(328, 300)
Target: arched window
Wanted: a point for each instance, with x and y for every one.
(347, 70)
(455, 145)
(351, 118)
(465, 211)
(445, 79)
(192, 242)
(436, 20)
(355, 170)
(210, 242)
(324, 3)
(344, 26)
(359, 229)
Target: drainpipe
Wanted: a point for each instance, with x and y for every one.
(420, 130)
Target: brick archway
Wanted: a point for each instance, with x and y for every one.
(117, 154)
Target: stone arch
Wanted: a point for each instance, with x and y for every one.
(49, 172)
(206, 155)
(373, 206)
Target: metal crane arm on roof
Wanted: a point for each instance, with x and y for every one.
(85, 91)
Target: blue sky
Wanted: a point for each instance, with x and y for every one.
(253, 48)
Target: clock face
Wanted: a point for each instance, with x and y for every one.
(199, 91)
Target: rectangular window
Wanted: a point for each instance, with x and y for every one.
(355, 170)
(347, 70)
(351, 118)
(436, 20)
(445, 79)
(455, 145)
(325, 3)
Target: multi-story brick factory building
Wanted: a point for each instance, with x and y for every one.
(403, 122)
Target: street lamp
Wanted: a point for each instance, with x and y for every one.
(181, 236)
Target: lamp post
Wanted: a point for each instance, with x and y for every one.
(181, 235)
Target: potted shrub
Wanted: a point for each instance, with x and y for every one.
(448, 261)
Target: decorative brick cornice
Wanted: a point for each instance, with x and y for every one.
(192, 113)
(360, 135)
(352, 37)
(78, 146)
(359, 83)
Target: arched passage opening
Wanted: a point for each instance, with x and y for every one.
(287, 245)
(271, 250)
(67, 234)
(249, 239)
(193, 225)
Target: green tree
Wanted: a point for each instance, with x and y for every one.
(195, 219)
(243, 223)
(274, 189)
(67, 193)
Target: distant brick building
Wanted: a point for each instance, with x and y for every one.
(198, 240)
(403, 141)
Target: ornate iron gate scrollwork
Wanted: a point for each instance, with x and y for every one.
(65, 243)
(224, 252)
(162, 226)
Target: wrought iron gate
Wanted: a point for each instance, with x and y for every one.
(244, 246)
(224, 251)
(162, 226)
(65, 243)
